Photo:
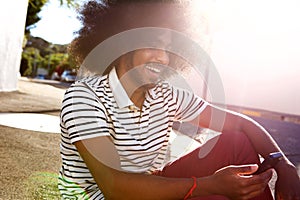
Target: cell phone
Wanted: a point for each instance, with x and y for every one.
(269, 162)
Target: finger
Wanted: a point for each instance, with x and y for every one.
(253, 191)
(253, 194)
(277, 196)
(262, 178)
(286, 197)
(267, 175)
(244, 169)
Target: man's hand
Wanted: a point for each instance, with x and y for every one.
(288, 183)
(236, 182)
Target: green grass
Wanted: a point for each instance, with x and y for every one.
(42, 185)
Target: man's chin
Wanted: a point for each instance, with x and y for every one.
(150, 86)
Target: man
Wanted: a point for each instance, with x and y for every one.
(116, 127)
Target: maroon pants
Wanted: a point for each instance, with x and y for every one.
(229, 149)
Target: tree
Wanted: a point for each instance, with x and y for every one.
(38, 53)
(11, 44)
(12, 22)
(34, 7)
(31, 60)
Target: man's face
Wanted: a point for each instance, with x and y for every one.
(145, 66)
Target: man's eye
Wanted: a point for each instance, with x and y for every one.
(154, 45)
(160, 46)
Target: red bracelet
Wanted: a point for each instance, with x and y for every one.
(190, 192)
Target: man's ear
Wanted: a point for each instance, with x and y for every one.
(116, 63)
(108, 69)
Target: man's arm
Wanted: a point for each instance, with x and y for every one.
(118, 184)
(228, 121)
(103, 161)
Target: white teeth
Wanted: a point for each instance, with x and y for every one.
(153, 69)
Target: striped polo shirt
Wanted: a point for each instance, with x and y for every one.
(99, 106)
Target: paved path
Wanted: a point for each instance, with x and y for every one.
(287, 135)
(31, 121)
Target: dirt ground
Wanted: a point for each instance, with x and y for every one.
(30, 160)
(25, 155)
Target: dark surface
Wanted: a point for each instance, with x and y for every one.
(286, 134)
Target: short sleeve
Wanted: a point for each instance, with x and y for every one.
(82, 114)
(188, 105)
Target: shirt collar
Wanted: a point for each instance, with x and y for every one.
(118, 91)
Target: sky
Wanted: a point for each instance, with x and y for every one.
(58, 23)
(257, 51)
(255, 46)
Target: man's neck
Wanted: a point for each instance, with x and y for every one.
(138, 97)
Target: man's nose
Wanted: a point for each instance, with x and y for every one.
(162, 56)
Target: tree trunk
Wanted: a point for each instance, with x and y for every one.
(12, 20)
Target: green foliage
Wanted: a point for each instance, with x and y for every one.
(32, 58)
(42, 185)
(70, 3)
(38, 53)
(34, 7)
(56, 60)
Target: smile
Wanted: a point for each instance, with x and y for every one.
(153, 69)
